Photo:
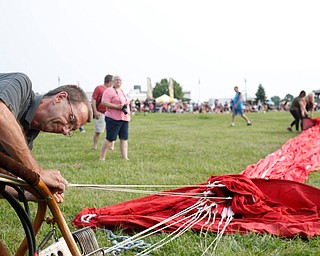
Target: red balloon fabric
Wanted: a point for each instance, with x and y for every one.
(267, 197)
(279, 207)
(295, 160)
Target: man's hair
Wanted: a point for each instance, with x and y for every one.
(108, 79)
(75, 95)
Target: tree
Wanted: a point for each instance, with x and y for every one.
(288, 98)
(163, 88)
(261, 94)
(276, 100)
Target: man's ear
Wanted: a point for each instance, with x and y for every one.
(60, 96)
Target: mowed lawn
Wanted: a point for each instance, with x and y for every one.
(164, 149)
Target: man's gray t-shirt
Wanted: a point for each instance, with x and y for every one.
(16, 92)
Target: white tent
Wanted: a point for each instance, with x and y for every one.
(165, 99)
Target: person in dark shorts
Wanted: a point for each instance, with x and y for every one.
(117, 118)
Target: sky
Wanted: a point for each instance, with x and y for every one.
(207, 46)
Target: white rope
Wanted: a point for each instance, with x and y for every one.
(155, 228)
(192, 220)
(209, 226)
(173, 234)
(229, 219)
(227, 212)
(204, 211)
(144, 186)
(164, 193)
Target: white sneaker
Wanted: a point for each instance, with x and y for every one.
(232, 124)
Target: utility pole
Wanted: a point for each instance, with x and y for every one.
(199, 91)
(245, 88)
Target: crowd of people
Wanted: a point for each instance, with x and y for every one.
(301, 107)
(194, 107)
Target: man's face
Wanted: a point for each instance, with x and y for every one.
(236, 89)
(63, 117)
(109, 84)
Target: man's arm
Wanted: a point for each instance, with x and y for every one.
(13, 140)
(302, 104)
(96, 114)
(14, 143)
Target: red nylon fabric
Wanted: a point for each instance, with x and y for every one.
(280, 205)
(295, 160)
(307, 123)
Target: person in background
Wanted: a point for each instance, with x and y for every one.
(98, 111)
(82, 129)
(117, 118)
(297, 110)
(231, 105)
(137, 102)
(226, 107)
(261, 107)
(285, 106)
(310, 105)
(23, 115)
(237, 108)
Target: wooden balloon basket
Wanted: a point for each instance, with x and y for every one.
(18, 177)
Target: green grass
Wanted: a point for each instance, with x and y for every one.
(167, 149)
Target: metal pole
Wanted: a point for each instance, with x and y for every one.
(199, 91)
(245, 88)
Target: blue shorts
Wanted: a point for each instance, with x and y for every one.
(237, 112)
(116, 127)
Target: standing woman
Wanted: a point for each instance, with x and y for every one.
(297, 110)
(117, 117)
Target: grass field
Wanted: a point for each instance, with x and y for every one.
(167, 149)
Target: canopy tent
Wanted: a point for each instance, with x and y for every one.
(165, 99)
(270, 102)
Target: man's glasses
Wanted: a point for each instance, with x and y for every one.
(72, 121)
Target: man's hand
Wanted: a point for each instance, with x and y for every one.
(57, 184)
(59, 197)
(96, 115)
